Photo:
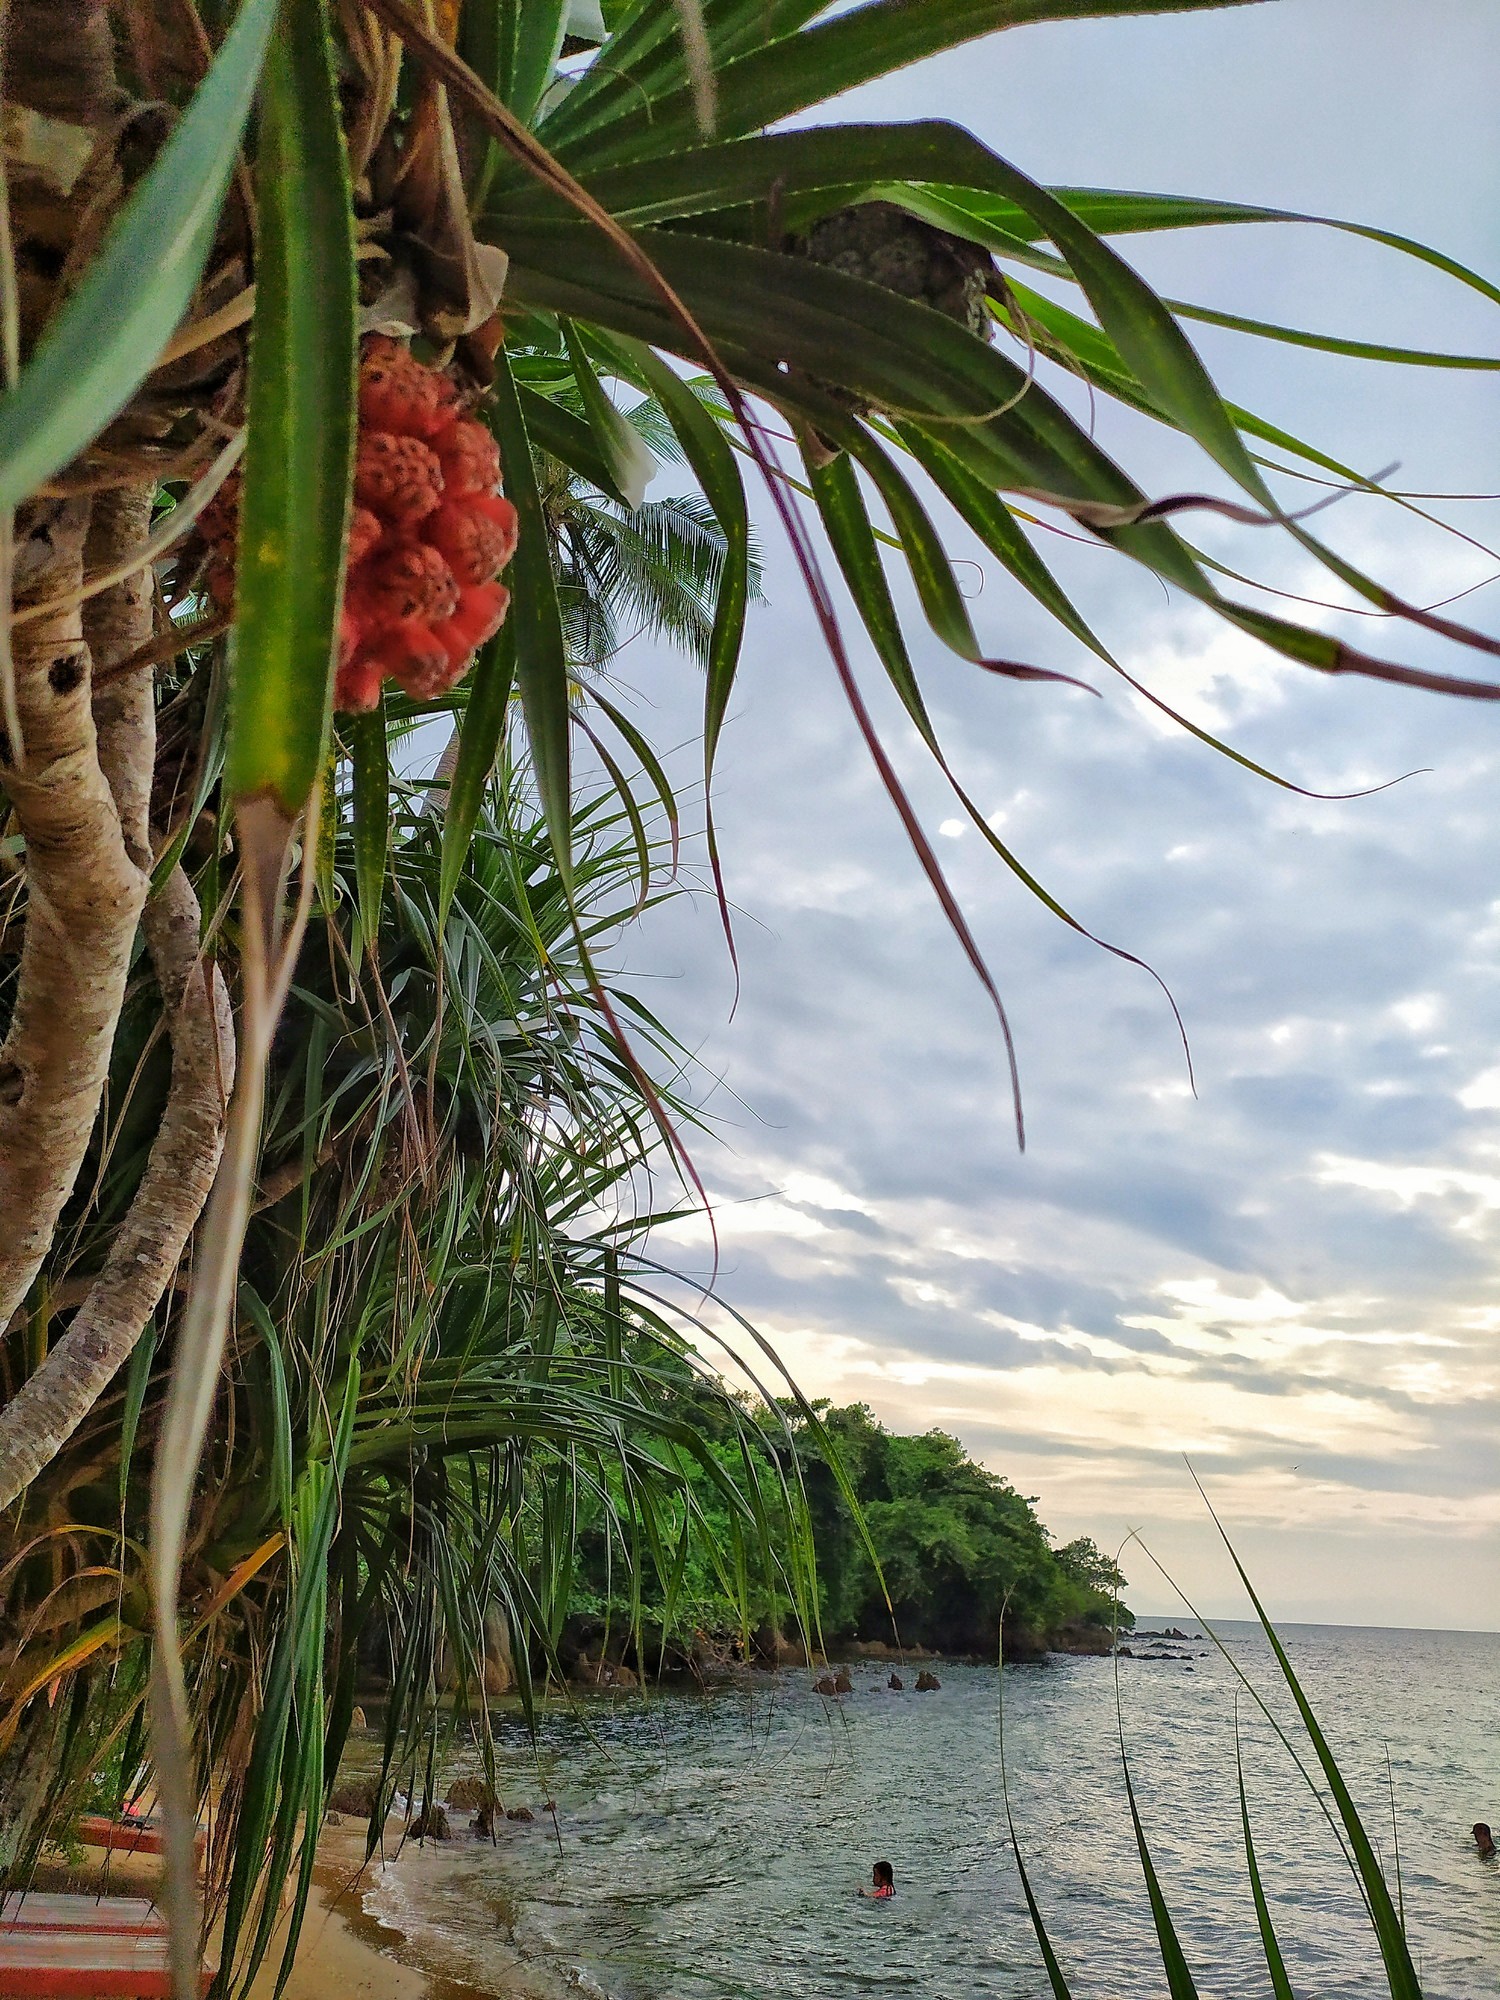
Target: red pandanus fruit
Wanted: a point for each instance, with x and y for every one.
(428, 535)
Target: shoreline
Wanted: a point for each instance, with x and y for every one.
(344, 1951)
(347, 1950)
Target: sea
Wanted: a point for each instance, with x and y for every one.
(710, 1846)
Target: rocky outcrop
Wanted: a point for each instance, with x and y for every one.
(896, 1684)
(825, 1684)
(1092, 1641)
(772, 1648)
(842, 1683)
(354, 1795)
(431, 1823)
(470, 1795)
(611, 1674)
(927, 1682)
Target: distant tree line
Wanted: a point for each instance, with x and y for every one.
(959, 1551)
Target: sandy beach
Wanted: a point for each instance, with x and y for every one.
(343, 1954)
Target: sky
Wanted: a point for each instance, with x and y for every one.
(1292, 1277)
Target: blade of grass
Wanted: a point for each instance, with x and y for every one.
(1281, 1985)
(1060, 1988)
(1400, 1973)
(1174, 1963)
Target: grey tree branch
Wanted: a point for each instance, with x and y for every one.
(149, 1243)
(84, 893)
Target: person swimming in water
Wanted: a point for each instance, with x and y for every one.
(1484, 1840)
(883, 1883)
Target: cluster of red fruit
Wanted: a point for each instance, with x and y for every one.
(427, 538)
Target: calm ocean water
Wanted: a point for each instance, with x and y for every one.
(710, 1846)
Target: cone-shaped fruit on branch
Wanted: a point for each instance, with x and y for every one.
(428, 535)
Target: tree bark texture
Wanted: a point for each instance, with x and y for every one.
(150, 1241)
(84, 894)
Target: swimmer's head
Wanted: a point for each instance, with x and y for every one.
(883, 1875)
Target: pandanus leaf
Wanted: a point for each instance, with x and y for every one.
(541, 660)
(109, 335)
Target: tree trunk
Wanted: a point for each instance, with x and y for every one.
(84, 897)
(150, 1241)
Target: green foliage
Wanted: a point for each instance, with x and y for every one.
(956, 1545)
(448, 1386)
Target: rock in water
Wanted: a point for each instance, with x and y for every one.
(842, 1683)
(825, 1685)
(357, 1718)
(896, 1684)
(431, 1823)
(520, 1812)
(353, 1795)
(927, 1683)
(469, 1795)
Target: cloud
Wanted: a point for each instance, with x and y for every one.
(1291, 1275)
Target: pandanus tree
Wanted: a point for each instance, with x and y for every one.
(302, 308)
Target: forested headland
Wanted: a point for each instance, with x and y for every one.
(913, 1545)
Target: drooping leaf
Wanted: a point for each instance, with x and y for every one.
(627, 461)
(300, 449)
(369, 751)
(106, 339)
(708, 452)
(535, 621)
(1281, 1985)
(482, 734)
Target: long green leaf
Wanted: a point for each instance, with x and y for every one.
(792, 72)
(563, 436)
(650, 763)
(300, 449)
(1281, 1985)
(708, 453)
(1401, 1975)
(1114, 212)
(536, 621)
(369, 751)
(107, 337)
(1174, 1963)
(628, 461)
(483, 731)
(137, 1380)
